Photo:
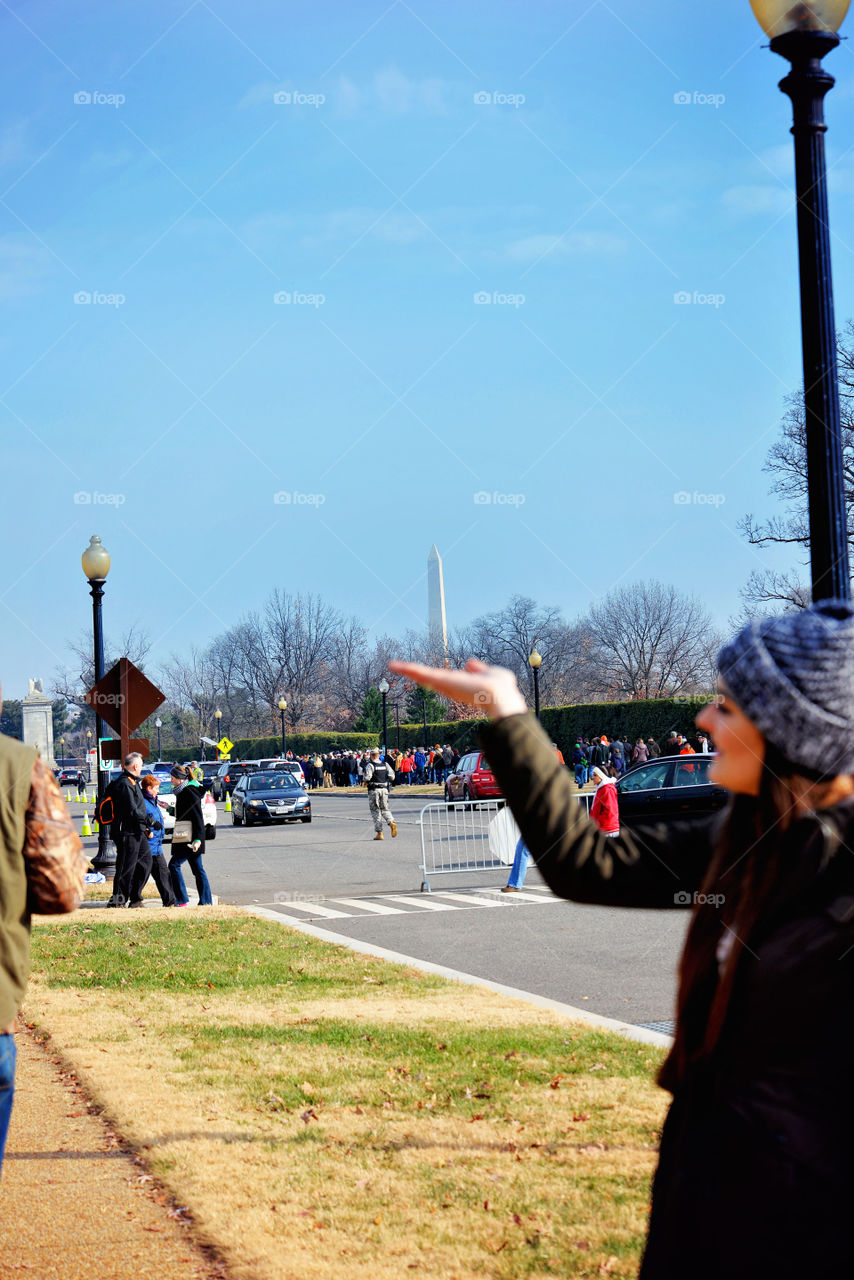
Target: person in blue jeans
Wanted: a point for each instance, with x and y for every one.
(188, 808)
(519, 870)
(8, 1058)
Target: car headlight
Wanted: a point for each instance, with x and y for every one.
(300, 804)
(256, 804)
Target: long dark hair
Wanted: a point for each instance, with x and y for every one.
(734, 897)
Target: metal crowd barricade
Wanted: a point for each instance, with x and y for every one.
(455, 837)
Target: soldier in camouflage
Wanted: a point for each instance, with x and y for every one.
(379, 776)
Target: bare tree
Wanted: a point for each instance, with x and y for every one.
(508, 636)
(786, 463)
(651, 641)
(72, 682)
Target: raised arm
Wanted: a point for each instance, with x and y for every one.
(655, 866)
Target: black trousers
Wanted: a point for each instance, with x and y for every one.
(160, 876)
(133, 867)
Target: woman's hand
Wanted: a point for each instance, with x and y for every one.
(195, 845)
(490, 689)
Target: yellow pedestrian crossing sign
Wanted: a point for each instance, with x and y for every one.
(224, 745)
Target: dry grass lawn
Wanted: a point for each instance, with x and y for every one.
(327, 1115)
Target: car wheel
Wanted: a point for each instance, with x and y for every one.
(308, 819)
(467, 798)
(210, 833)
(235, 820)
(448, 799)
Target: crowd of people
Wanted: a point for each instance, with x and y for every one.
(613, 756)
(413, 767)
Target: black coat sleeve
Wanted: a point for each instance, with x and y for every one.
(661, 865)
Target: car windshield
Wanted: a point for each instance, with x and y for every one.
(166, 788)
(272, 782)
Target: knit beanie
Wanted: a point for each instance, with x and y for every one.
(793, 675)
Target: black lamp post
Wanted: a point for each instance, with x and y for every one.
(535, 662)
(282, 708)
(424, 713)
(158, 724)
(383, 687)
(218, 718)
(88, 757)
(96, 566)
(397, 725)
(62, 751)
(803, 33)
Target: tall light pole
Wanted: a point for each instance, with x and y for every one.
(535, 662)
(397, 724)
(383, 687)
(424, 713)
(158, 724)
(62, 751)
(803, 33)
(96, 565)
(88, 756)
(218, 718)
(282, 708)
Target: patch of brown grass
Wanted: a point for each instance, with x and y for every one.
(545, 1175)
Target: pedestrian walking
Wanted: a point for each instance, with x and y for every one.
(759, 1135)
(128, 831)
(605, 810)
(188, 808)
(81, 784)
(519, 869)
(159, 871)
(42, 865)
(379, 776)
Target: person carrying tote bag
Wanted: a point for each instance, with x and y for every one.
(188, 840)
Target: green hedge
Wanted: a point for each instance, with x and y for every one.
(653, 719)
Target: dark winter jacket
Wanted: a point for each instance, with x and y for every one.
(188, 808)
(130, 813)
(755, 1175)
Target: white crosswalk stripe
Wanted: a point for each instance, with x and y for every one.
(375, 908)
(409, 904)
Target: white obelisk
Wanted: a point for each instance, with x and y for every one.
(436, 623)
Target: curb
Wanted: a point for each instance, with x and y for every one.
(625, 1029)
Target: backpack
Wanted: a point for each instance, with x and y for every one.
(106, 812)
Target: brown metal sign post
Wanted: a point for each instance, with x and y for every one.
(123, 698)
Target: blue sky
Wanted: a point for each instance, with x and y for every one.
(482, 215)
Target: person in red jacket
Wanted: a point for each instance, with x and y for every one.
(604, 810)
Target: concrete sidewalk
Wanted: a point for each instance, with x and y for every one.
(77, 1205)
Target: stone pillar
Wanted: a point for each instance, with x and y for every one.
(38, 722)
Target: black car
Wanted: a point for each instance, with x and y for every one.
(228, 775)
(669, 787)
(272, 796)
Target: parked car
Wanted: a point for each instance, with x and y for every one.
(160, 767)
(472, 780)
(669, 787)
(228, 775)
(68, 777)
(209, 768)
(293, 767)
(166, 800)
(269, 797)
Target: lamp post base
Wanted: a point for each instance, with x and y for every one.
(105, 859)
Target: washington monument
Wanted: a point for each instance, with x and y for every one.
(436, 624)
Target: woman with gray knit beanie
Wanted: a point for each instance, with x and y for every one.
(756, 1167)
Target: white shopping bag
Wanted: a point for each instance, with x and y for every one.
(503, 837)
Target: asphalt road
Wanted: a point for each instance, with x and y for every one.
(331, 872)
